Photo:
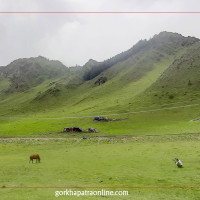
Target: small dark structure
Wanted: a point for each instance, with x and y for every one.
(101, 80)
(106, 119)
(72, 129)
(92, 130)
(101, 119)
(35, 157)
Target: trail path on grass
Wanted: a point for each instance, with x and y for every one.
(34, 138)
(62, 138)
(109, 114)
(170, 137)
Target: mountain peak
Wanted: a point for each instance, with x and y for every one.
(170, 37)
(91, 63)
(167, 33)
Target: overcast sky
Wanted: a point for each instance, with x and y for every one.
(75, 38)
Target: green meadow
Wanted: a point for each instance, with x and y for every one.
(159, 120)
(143, 161)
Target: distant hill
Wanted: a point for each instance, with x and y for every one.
(25, 73)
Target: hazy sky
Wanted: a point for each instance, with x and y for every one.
(75, 38)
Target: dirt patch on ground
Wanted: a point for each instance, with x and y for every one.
(122, 138)
(37, 138)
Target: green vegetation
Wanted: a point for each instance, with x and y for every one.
(120, 162)
(155, 85)
(181, 79)
(152, 122)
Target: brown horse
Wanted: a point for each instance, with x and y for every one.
(36, 157)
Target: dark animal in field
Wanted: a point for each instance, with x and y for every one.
(36, 157)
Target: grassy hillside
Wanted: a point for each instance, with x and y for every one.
(63, 97)
(164, 42)
(181, 79)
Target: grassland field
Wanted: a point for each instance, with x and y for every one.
(136, 152)
(140, 161)
(160, 120)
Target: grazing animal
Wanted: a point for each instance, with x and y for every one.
(92, 130)
(36, 157)
(178, 163)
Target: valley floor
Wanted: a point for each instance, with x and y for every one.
(134, 154)
(142, 165)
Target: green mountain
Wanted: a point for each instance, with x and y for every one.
(149, 71)
(163, 43)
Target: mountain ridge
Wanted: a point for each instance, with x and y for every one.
(38, 83)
